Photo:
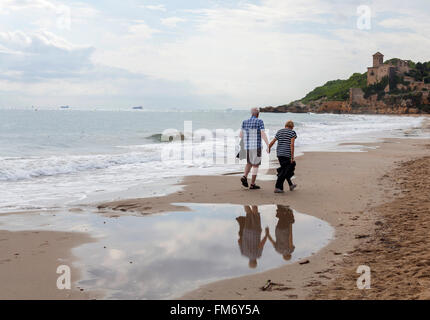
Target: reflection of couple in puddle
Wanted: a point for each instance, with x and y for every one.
(250, 242)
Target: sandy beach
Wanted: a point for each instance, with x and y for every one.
(357, 193)
(398, 249)
(376, 200)
(29, 262)
(126, 129)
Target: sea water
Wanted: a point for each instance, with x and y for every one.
(54, 158)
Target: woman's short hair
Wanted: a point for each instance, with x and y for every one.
(289, 124)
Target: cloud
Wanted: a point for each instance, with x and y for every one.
(158, 7)
(411, 24)
(172, 21)
(244, 53)
(241, 54)
(271, 52)
(99, 87)
(41, 55)
(46, 14)
(13, 5)
(140, 30)
(41, 68)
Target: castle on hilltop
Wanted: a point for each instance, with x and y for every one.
(389, 69)
(380, 69)
(394, 86)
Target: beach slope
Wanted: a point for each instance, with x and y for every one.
(347, 190)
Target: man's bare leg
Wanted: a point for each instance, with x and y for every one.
(247, 170)
(244, 179)
(254, 174)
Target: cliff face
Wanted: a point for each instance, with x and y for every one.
(410, 103)
(392, 87)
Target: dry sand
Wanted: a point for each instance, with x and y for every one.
(344, 189)
(398, 251)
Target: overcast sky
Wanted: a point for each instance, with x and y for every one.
(195, 53)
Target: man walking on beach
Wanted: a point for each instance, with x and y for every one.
(251, 133)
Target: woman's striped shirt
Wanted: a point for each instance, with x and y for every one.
(284, 137)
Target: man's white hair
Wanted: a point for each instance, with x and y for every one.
(255, 112)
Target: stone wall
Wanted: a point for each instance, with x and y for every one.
(356, 95)
(402, 66)
(380, 70)
(378, 60)
(372, 76)
(375, 75)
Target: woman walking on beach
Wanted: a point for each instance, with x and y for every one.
(284, 232)
(285, 151)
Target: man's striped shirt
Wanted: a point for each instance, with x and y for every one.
(284, 137)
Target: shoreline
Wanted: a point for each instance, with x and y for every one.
(341, 188)
(342, 194)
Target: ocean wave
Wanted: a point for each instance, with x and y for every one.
(22, 169)
(320, 132)
(174, 136)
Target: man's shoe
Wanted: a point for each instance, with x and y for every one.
(254, 187)
(244, 182)
(279, 191)
(293, 187)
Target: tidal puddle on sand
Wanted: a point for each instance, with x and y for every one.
(163, 256)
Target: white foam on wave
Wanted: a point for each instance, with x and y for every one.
(363, 127)
(21, 169)
(35, 182)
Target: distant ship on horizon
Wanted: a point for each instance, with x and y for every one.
(64, 107)
(138, 108)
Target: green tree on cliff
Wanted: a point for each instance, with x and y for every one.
(337, 90)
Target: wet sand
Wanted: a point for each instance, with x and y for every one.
(343, 189)
(29, 262)
(377, 201)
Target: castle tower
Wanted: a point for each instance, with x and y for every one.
(378, 59)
